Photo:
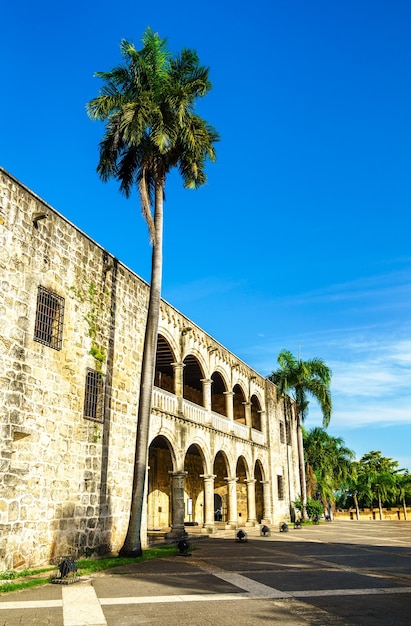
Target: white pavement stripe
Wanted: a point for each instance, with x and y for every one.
(350, 592)
(31, 604)
(81, 607)
(204, 597)
(276, 594)
(90, 613)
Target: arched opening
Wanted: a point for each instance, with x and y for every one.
(164, 373)
(239, 404)
(220, 470)
(242, 500)
(255, 413)
(218, 508)
(218, 399)
(194, 486)
(259, 491)
(159, 485)
(192, 376)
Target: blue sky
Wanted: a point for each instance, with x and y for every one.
(301, 238)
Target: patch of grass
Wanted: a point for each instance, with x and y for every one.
(88, 566)
(85, 566)
(23, 584)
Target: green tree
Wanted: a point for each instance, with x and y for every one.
(328, 464)
(148, 106)
(376, 479)
(303, 379)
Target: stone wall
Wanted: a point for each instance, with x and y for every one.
(76, 488)
(65, 480)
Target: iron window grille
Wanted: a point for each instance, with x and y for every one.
(49, 318)
(282, 434)
(280, 487)
(93, 396)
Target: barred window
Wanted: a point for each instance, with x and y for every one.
(288, 429)
(280, 487)
(48, 327)
(93, 396)
(282, 434)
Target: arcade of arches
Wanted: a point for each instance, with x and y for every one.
(212, 461)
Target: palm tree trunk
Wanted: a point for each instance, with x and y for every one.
(380, 506)
(132, 543)
(301, 466)
(357, 508)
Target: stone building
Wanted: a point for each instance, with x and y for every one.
(222, 452)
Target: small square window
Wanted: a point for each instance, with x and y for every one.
(49, 318)
(93, 396)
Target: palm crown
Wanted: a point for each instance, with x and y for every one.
(303, 379)
(148, 106)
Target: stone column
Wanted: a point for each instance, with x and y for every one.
(178, 510)
(178, 384)
(248, 420)
(229, 395)
(207, 393)
(252, 517)
(267, 513)
(208, 524)
(232, 522)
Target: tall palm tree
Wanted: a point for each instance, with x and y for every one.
(147, 104)
(303, 379)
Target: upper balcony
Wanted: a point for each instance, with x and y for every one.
(169, 403)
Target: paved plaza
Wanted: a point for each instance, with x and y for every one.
(340, 573)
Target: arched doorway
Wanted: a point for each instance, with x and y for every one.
(159, 492)
(218, 508)
(220, 470)
(242, 498)
(194, 486)
(259, 491)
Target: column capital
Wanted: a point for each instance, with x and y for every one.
(177, 364)
(231, 479)
(208, 476)
(178, 473)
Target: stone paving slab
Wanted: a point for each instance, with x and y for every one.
(175, 584)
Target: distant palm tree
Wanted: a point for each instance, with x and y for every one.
(328, 464)
(303, 379)
(147, 104)
(403, 485)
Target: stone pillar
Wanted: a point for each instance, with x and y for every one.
(248, 420)
(178, 384)
(208, 524)
(252, 517)
(229, 395)
(232, 522)
(207, 393)
(178, 510)
(267, 513)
